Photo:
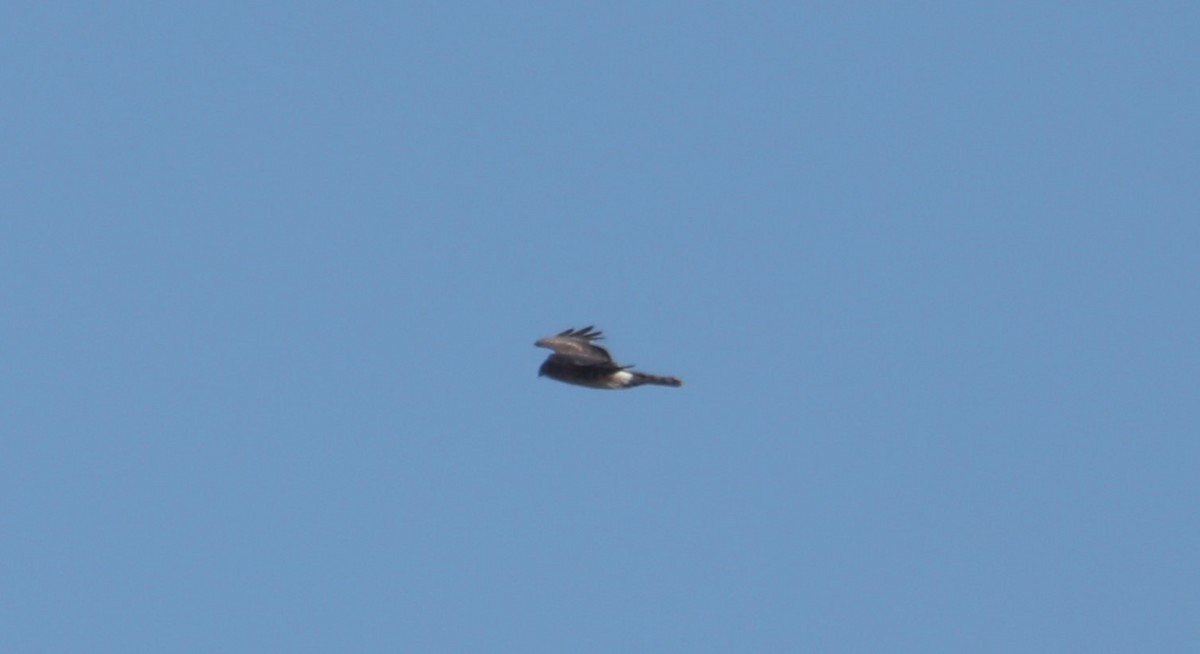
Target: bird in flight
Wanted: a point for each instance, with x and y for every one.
(578, 360)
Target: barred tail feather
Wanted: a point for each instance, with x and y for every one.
(640, 378)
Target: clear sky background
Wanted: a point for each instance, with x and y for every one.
(271, 275)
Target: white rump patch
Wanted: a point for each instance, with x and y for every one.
(623, 377)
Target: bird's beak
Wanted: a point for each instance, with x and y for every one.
(541, 342)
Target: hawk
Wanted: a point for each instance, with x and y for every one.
(578, 360)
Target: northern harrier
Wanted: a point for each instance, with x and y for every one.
(578, 360)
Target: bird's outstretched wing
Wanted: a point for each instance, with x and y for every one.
(579, 345)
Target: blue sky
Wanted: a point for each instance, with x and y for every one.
(271, 277)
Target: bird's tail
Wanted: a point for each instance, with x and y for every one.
(640, 378)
